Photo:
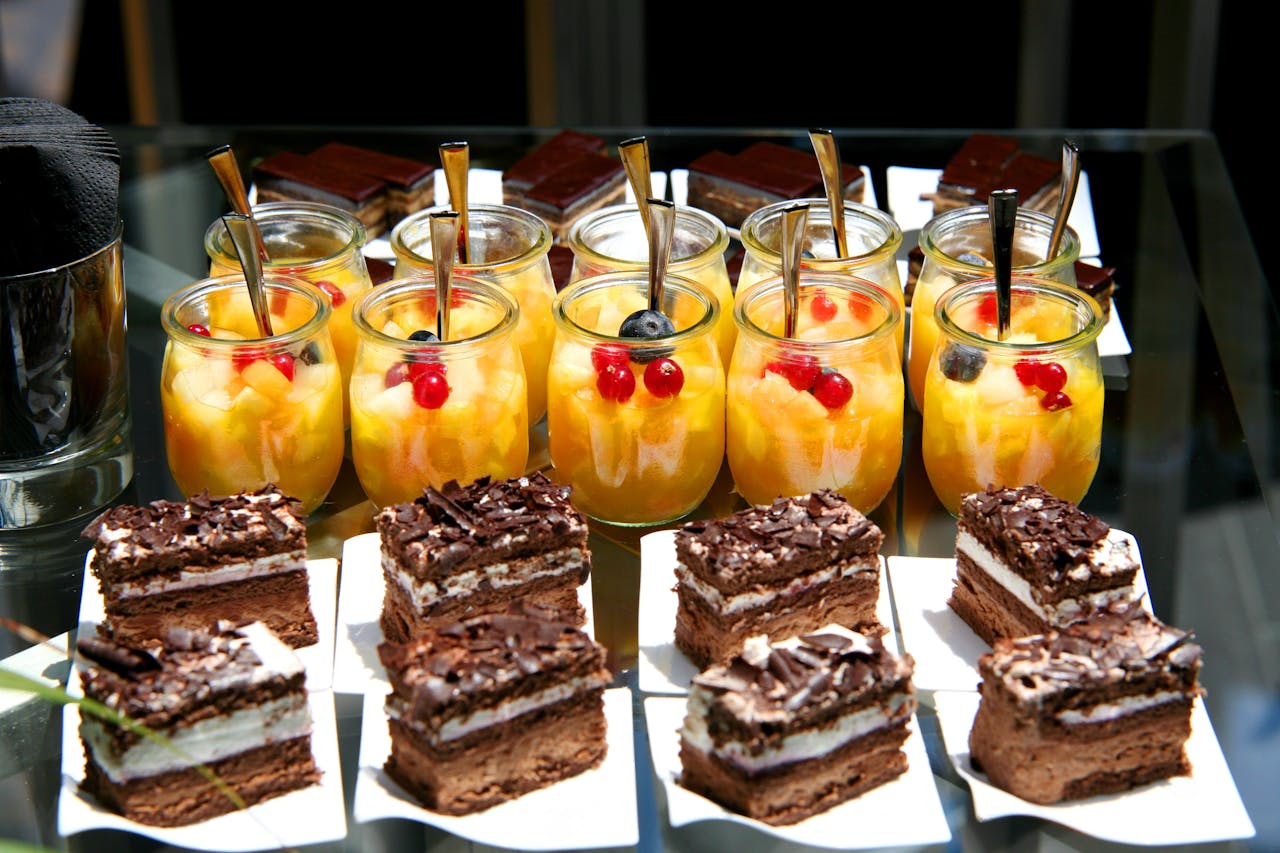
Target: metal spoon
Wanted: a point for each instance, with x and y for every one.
(824, 145)
(1003, 208)
(662, 221)
(444, 237)
(794, 220)
(635, 157)
(246, 239)
(1070, 182)
(455, 158)
(223, 161)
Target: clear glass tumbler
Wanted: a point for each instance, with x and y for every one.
(425, 413)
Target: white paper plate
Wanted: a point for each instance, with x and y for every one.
(307, 816)
(593, 809)
(322, 575)
(356, 665)
(901, 812)
(945, 648)
(662, 667)
(1204, 806)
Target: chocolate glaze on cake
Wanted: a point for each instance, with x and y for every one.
(461, 551)
(780, 570)
(191, 563)
(1098, 282)
(288, 176)
(785, 731)
(986, 163)
(1027, 561)
(410, 186)
(230, 698)
(1101, 706)
(545, 160)
(488, 709)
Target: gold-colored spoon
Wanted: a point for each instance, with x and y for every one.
(635, 158)
(794, 220)
(223, 161)
(445, 228)
(455, 158)
(824, 145)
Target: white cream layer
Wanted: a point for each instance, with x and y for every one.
(798, 746)
(204, 742)
(228, 573)
(1104, 711)
(504, 713)
(562, 562)
(750, 600)
(1061, 614)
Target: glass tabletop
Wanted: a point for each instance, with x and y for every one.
(1188, 466)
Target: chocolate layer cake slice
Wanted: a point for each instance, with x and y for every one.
(231, 699)
(986, 163)
(780, 570)
(588, 182)
(288, 176)
(785, 731)
(189, 564)
(545, 160)
(1027, 562)
(489, 709)
(467, 550)
(410, 183)
(1100, 707)
(1098, 282)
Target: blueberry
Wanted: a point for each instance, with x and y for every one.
(423, 336)
(961, 363)
(647, 324)
(310, 354)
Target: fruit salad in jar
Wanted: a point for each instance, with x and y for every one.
(241, 411)
(426, 411)
(822, 409)
(1024, 409)
(635, 414)
(507, 246)
(314, 242)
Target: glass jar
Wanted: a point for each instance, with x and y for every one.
(509, 247)
(873, 237)
(1024, 410)
(242, 411)
(822, 409)
(425, 413)
(957, 248)
(613, 239)
(636, 426)
(316, 243)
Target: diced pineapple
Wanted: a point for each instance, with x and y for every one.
(265, 378)
(391, 405)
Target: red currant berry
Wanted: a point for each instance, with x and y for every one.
(603, 355)
(822, 307)
(283, 362)
(1051, 377)
(241, 360)
(1054, 401)
(418, 369)
(988, 311)
(1028, 372)
(799, 370)
(336, 296)
(616, 383)
(832, 390)
(860, 306)
(663, 377)
(430, 390)
(396, 373)
(199, 329)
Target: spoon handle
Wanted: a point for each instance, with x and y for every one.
(444, 237)
(1003, 208)
(223, 161)
(635, 157)
(1067, 195)
(455, 157)
(662, 219)
(824, 145)
(794, 220)
(245, 237)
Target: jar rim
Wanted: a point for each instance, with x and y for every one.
(531, 254)
(860, 212)
(345, 226)
(1076, 298)
(117, 236)
(841, 281)
(200, 291)
(979, 215)
(681, 284)
(714, 250)
(420, 285)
